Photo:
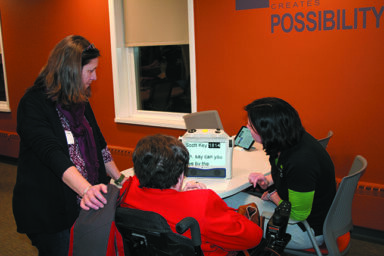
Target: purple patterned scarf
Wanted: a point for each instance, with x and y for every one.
(83, 133)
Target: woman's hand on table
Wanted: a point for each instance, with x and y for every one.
(272, 196)
(191, 185)
(258, 178)
(93, 197)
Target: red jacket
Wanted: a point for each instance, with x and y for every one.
(222, 228)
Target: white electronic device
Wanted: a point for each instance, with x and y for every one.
(210, 153)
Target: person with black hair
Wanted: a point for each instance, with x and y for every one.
(160, 163)
(64, 162)
(302, 171)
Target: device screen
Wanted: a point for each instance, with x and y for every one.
(206, 155)
(244, 138)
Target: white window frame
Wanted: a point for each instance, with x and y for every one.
(123, 69)
(4, 105)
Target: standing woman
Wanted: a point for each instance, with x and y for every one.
(64, 162)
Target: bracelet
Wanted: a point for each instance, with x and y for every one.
(86, 190)
(120, 179)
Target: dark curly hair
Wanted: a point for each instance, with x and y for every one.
(277, 123)
(159, 160)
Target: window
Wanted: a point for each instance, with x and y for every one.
(162, 78)
(4, 103)
(138, 72)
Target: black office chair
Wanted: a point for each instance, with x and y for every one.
(148, 233)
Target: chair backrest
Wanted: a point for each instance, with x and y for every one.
(148, 233)
(324, 141)
(209, 119)
(339, 217)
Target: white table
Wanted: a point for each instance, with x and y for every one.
(243, 163)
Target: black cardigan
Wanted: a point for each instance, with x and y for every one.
(42, 202)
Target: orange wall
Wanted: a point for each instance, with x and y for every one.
(333, 78)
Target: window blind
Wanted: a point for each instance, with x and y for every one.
(155, 22)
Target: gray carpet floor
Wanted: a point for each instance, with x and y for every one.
(12, 243)
(15, 244)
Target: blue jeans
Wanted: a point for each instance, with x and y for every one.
(51, 244)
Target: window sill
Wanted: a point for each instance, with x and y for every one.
(4, 107)
(148, 118)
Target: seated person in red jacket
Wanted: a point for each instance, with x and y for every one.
(160, 162)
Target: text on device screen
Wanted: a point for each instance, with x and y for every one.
(206, 154)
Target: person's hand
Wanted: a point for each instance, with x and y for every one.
(265, 196)
(93, 197)
(272, 196)
(191, 185)
(258, 178)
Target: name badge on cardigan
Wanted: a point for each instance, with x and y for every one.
(70, 138)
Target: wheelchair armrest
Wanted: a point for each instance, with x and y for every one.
(190, 223)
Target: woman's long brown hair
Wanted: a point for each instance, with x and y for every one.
(61, 76)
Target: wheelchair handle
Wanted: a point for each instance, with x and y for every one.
(190, 223)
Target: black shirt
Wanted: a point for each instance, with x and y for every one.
(303, 168)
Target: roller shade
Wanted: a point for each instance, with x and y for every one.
(155, 22)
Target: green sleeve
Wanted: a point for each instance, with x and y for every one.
(301, 204)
